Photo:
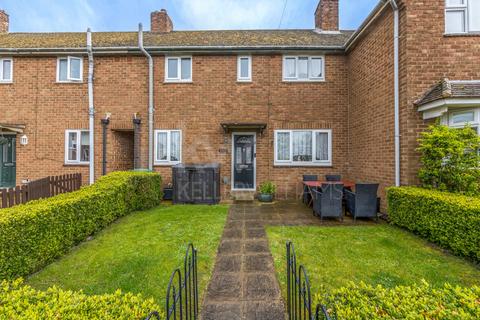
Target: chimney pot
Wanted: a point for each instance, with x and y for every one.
(326, 15)
(160, 21)
(4, 21)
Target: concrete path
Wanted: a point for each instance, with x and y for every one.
(243, 285)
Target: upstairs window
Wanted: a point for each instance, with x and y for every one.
(168, 147)
(69, 69)
(77, 147)
(303, 147)
(244, 68)
(462, 16)
(303, 68)
(6, 70)
(178, 69)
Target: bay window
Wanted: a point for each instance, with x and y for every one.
(462, 16)
(303, 147)
(77, 147)
(168, 147)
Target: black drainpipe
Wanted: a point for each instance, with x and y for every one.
(136, 143)
(105, 123)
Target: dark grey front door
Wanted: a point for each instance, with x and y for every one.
(7, 161)
(244, 161)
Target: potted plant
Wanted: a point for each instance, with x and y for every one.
(267, 191)
(168, 192)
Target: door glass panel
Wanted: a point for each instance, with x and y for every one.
(238, 155)
(248, 155)
(302, 146)
(162, 146)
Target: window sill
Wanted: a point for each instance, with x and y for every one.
(303, 81)
(76, 164)
(244, 81)
(165, 164)
(465, 34)
(70, 82)
(178, 81)
(6, 82)
(300, 165)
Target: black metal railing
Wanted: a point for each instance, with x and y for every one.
(299, 298)
(182, 291)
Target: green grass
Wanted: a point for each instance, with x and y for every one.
(380, 254)
(139, 252)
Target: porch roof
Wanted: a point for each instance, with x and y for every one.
(243, 126)
(16, 128)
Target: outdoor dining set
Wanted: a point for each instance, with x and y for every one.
(332, 197)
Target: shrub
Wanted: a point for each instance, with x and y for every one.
(34, 234)
(450, 159)
(268, 187)
(447, 219)
(419, 301)
(24, 302)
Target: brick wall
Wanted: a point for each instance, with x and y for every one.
(49, 108)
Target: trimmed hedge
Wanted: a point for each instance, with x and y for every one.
(447, 219)
(420, 301)
(34, 234)
(24, 302)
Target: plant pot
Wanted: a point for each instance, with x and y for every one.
(265, 197)
(167, 193)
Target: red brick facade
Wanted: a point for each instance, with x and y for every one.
(355, 101)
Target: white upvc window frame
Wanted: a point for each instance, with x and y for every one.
(314, 162)
(69, 78)
(79, 137)
(178, 79)
(239, 69)
(466, 9)
(310, 77)
(167, 162)
(2, 71)
(447, 119)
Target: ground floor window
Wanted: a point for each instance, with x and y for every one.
(77, 146)
(303, 147)
(168, 146)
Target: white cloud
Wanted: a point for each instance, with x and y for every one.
(230, 14)
(49, 15)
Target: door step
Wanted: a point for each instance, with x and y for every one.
(243, 195)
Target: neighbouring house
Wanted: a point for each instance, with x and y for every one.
(265, 104)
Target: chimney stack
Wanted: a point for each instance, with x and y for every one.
(3, 21)
(160, 21)
(326, 15)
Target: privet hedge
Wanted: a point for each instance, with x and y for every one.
(447, 219)
(34, 234)
(23, 302)
(421, 301)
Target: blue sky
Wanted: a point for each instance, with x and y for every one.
(124, 15)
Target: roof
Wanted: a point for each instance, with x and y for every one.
(450, 89)
(179, 39)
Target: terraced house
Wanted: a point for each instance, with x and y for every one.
(265, 104)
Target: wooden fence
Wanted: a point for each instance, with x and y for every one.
(42, 188)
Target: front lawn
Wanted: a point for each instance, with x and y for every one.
(381, 254)
(138, 252)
